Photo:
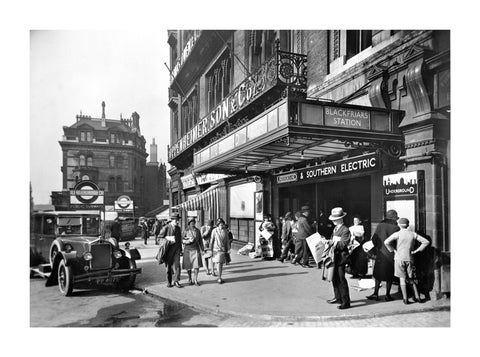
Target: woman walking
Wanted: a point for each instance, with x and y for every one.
(206, 231)
(220, 245)
(358, 258)
(192, 257)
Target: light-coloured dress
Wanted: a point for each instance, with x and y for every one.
(219, 245)
(192, 258)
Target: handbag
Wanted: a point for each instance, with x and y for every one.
(228, 259)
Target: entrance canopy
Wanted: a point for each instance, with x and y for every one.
(295, 132)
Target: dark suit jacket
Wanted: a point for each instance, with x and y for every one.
(304, 228)
(341, 249)
(174, 248)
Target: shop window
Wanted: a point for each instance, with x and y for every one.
(82, 160)
(357, 41)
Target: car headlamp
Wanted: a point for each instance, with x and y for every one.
(88, 256)
(117, 254)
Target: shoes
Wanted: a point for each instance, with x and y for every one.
(294, 262)
(169, 285)
(388, 298)
(343, 306)
(305, 266)
(197, 283)
(406, 302)
(334, 301)
(209, 272)
(220, 281)
(214, 273)
(280, 260)
(190, 282)
(177, 284)
(372, 297)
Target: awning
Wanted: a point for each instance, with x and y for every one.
(208, 199)
(163, 215)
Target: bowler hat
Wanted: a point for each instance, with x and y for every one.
(403, 222)
(391, 214)
(337, 213)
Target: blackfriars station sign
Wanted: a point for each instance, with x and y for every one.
(349, 166)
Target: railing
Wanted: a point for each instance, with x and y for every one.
(282, 69)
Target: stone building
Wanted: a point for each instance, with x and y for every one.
(155, 180)
(266, 121)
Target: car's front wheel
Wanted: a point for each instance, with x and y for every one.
(65, 278)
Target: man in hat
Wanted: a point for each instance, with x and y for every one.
(172, 232)
(116, 230)
(287, 237)
(304, 230)
(341, 238)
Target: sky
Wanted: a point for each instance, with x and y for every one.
(73, 71)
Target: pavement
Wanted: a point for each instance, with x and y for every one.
(271, 290)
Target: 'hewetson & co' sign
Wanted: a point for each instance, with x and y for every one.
(337, 168)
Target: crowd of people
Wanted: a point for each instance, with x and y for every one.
(392, 250)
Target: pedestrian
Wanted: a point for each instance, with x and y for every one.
(298, 252)
(383, 269)
(145, 230)
(269, 226)
(157, 226)
(116, 230)
(324, 226)
(192, 251)
(404, 256)
(173, 233)
(304, 230)
(219, 245)
(358, 258)
(206, 232)
(228, 258)
(287, 237)
(341, 239)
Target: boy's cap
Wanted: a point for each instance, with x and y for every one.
(403, 222)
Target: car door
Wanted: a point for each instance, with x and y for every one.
(47, 236)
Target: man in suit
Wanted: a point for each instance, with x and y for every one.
(305, 230)
(341, 239)
(172, 256)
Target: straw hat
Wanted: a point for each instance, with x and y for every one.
(337, 213)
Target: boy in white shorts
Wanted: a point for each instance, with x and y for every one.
(404, 252)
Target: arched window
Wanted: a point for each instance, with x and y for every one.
(111, 184)
(112, 161)
(82, 160)
(89, 161)
(119, 184)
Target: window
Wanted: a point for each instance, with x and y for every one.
(89, 136)
(82, 136)
(112, 161)
(219, 81)
(89, 161)
(119, 160)
(37, 224)
(48, 225)
(261, 47)
(111, 184)
(357, 41)
(190, 109)
(119, 184)
(82, 160)
(114, 138)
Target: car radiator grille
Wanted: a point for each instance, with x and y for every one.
(102, 256)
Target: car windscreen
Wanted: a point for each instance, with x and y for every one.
(91, 225)
(69, 225)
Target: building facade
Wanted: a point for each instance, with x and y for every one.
(110, 153)
(155, 180)
(280, 119)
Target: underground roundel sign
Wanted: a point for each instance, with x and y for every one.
(124, 203)
(86, 193)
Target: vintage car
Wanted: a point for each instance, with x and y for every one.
(70, 242)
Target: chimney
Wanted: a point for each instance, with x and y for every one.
(136, 122)
(153, 152)
(103, 115)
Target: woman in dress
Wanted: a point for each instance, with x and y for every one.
(358, 258)
(192, 257)
(220, 245)
(384, 261)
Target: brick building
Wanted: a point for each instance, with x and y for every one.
(109, 152)
(265, 121)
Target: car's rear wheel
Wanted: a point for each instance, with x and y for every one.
(127, 282)
(65, 278)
